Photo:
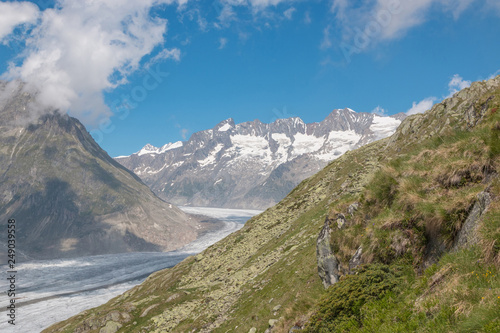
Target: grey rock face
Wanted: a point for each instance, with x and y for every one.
(328, 265)
(68, 196)
(341, 220)
(467, 234)
(352, 208)
(252, 164)
(356, 259)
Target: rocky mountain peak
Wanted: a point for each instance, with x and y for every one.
(69, 197)
(252, 164)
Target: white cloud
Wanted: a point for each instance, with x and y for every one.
(366, 23)
(289, 13)
(81, 48)
(243, 37)
(227, 12)
(326, 42)
(379, 111)
(494, 4)
(422, 106)
(174, 54)
(494, 75)
(222, 43)
(307, 18)
(13, 14)
(265, 3)
(184, 133)
(456, 84)
(339, 7)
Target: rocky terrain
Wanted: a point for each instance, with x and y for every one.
(252, 165)
(68, 196)
(400, 235)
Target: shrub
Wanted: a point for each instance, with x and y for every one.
(343, 301)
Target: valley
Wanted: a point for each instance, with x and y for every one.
(53, 290)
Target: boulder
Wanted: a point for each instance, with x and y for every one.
(328, 265)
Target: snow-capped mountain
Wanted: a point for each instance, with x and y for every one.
(252, 164)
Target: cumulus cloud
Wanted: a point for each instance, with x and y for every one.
(456, 84)
(78, 49)
(13, 14)
(422, 106)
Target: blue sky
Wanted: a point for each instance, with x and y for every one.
(156, 71)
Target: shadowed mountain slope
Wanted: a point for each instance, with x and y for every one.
(68, 196)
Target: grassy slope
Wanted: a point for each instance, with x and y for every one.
(427, 176)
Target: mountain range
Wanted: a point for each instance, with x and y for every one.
(252, 164)
(68, 197)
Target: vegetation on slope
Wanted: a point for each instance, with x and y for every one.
(426, 264)
(412, 216)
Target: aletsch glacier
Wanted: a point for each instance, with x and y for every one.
(53, 290)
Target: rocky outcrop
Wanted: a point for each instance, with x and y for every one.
(464, 110)
(352, 208)
(328, 265)
(356, 259)
(468, 233)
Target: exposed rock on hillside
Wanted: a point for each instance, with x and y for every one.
(328, 265)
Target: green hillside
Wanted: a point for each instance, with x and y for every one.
(413, 222)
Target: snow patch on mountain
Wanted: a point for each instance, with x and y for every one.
(212, 158)
(383, 127)
(252, 164)
(152, 150)
(303, 144)
(225, 128)
(249, 146)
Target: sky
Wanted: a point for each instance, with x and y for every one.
(156, 71)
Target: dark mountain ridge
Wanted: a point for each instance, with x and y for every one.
(68, 196)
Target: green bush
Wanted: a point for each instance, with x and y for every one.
(341, 306)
